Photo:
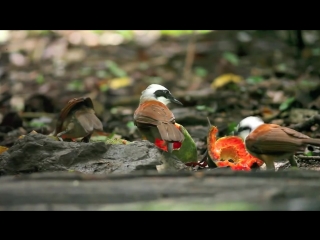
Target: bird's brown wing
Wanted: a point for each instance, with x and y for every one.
(277, 140)
(153, 113)
(88, 120)
(158, 115)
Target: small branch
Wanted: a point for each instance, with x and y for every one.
(190, 56)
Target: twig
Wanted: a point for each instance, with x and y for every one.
(190, 56)
(317, 158)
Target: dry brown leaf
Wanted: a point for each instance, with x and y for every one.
(3, 149)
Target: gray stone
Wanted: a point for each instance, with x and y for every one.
(40, 153)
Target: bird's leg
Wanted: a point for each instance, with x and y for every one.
(270, 165)
(170, 147)
(293, 162)
(60, 139)
(60, 134)
(68, 129)
(86, 139)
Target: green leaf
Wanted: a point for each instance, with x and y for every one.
(114, 110)
(201, 72)
(37, 124)
(254, 79)
(127, 34)
(309, 153)
(201, 107)
(177, 33)
(131, 124)
(315, 51)
(99, 138)
(231, 57)
(40, 79)
(231, 127)
(307, 83)
(99, 32)
(75, 85)
(111, 135)
(286, 104)
(282, 67)
(104, 87)
(115, 70)
(205, 108)
(143, 66)
(101, 74)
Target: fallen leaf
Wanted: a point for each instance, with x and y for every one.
(119, 82)
(286, 104)
(224, 79)
(3, 149)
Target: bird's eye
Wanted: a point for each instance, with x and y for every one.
(243, 128)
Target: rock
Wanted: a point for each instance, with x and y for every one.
(40, 153)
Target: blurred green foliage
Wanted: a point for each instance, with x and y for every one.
(129, 34)
(231, 127)
(178, 33)
(201, 72)
(114, 69)
(76, 85)
(286, 104)
(40, 79)
(205, 108)
(231, 57)
(254, 79)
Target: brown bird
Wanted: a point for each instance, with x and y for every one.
(154, 119)
(271, 142)
(77, 120)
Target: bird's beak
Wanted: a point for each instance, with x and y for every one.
(173, 100)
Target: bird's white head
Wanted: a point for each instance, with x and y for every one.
(159, 93)
(247, 125)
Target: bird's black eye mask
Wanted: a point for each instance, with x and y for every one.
(166, 94)
(244, 128)
(163, 93)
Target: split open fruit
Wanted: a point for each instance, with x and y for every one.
(230, 151)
